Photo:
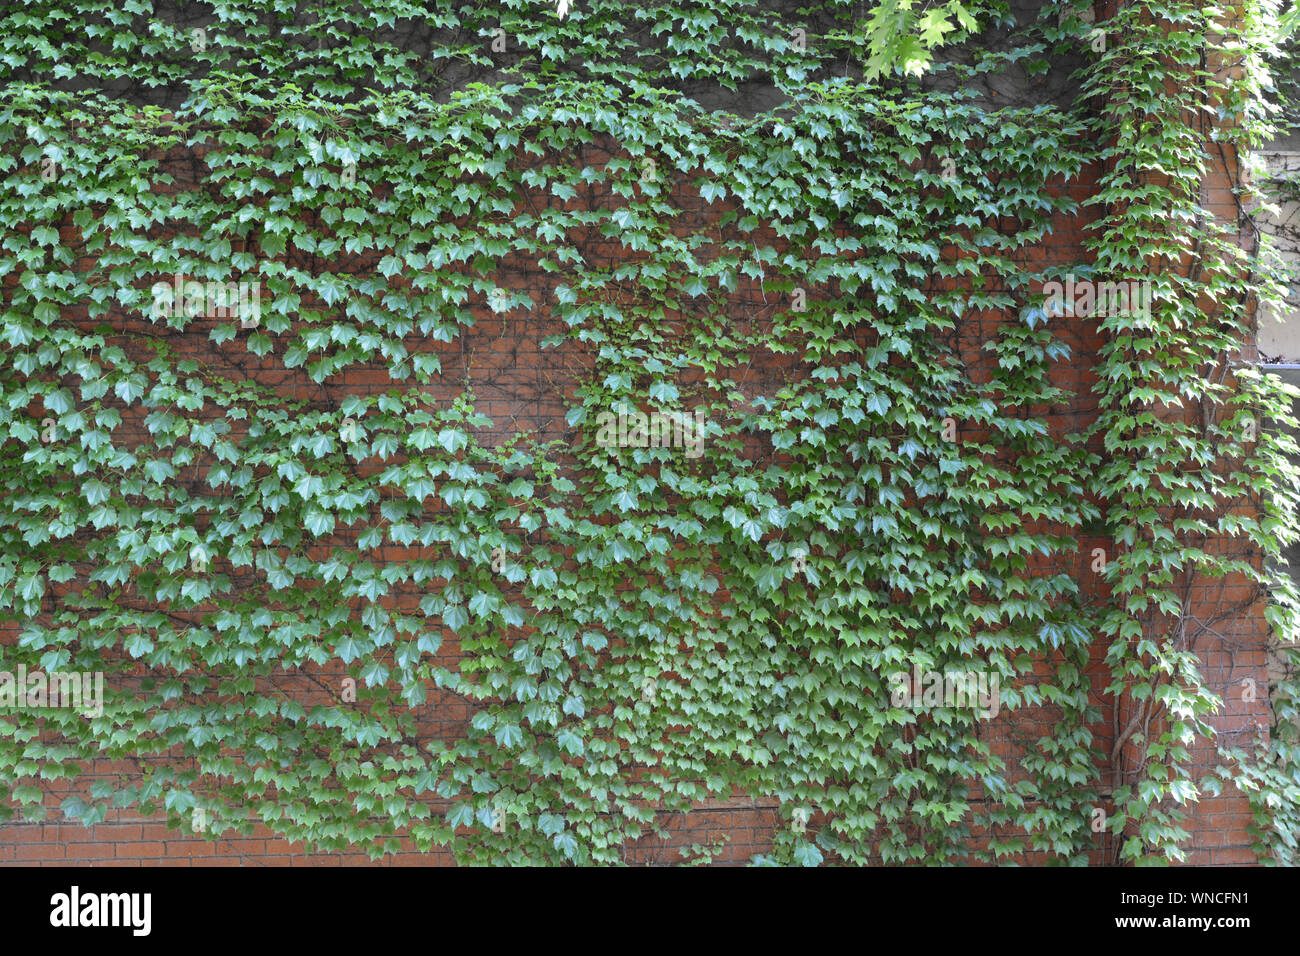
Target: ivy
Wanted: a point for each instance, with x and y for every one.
(248, 476)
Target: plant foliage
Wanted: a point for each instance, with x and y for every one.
(218, 517)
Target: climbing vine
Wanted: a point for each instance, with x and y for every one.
(249, 254)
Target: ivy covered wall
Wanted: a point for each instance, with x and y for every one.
(380, 559)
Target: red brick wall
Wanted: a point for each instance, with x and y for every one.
(518, 384)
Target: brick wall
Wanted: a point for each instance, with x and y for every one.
(520, 385)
